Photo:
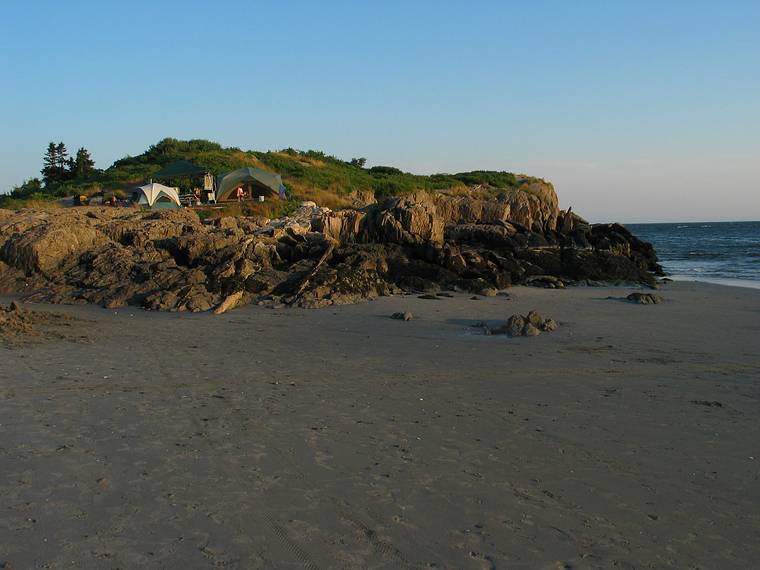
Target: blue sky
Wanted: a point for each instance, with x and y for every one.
(637, 111)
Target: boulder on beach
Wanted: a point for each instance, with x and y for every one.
(532, 324)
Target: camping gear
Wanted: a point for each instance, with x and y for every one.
(262, 183)
(157, 196)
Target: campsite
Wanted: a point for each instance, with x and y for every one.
(197, 187)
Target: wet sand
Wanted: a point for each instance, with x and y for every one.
(340, 438)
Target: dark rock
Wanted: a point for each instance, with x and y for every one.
(537, 240)
(406, 316)
(515, 325)
(486, 234)
(413, 283)
(708, 403)
(548, 281)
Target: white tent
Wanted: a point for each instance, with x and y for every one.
(156, 195)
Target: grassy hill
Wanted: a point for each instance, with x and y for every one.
(308, 175)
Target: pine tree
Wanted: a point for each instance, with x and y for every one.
(50, 165)
(83, 165)
(62, 158)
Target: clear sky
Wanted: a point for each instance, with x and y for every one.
(637, 111)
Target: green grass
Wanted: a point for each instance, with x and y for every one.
(38, 200)
(308, 175)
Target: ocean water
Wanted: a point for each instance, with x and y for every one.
(718, 252)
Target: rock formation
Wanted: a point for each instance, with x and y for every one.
(532, 324)
(171, 260)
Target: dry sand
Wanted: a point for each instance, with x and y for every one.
(341, 438)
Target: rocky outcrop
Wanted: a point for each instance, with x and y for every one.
(426, 217)
(171, 260)
(536, 212)
(41, 241)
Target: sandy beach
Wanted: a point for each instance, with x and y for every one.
(340, 438)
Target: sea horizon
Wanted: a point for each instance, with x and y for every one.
(684, 222)
(723, 253)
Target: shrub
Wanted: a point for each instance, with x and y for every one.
(487, 177)
(384, 170)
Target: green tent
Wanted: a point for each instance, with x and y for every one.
(262, 182)
(180, 169)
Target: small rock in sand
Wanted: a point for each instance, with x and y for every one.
(645, 298)
(708, 403)
(489, 292)
(407, 316)
(550, 325)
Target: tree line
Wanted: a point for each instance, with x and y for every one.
(59, 170)
(58, 166)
